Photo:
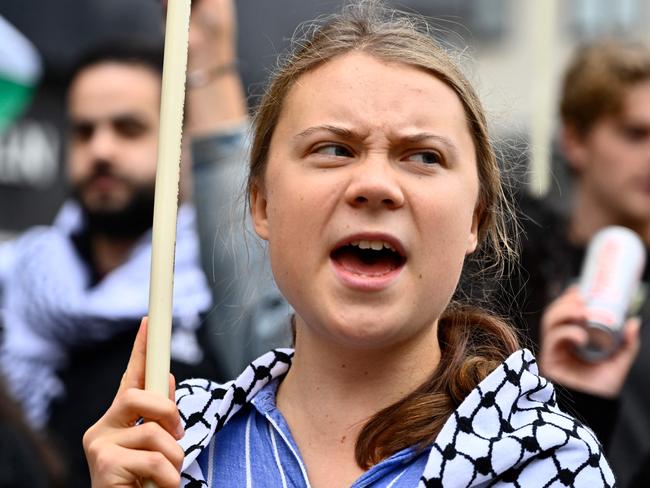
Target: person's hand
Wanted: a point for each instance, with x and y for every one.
(121, 451)
(213, 31)
(563, 330)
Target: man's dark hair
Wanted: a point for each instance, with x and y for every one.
(133, 51)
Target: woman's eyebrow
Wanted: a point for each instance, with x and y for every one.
(339, 131)
(426, 136)
(410, 138)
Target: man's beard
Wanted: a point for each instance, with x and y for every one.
(129, 221)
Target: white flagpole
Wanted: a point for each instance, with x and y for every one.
(542, 115)
(166, 199)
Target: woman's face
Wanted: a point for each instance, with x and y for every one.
(369, 200)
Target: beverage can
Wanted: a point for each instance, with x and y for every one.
(610, 278)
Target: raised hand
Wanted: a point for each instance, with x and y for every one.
(563, 331)
(213, 31)
(216, 97)
(120, 449)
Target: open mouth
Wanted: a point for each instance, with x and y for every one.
(372, 258)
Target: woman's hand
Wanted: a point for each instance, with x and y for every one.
(563, 329)
(121, 451)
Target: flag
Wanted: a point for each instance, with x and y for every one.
(20, 70)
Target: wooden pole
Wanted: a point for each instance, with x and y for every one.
(163, 243)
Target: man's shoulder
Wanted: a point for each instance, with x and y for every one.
(544, 245)
(538, 219)
(12, 249)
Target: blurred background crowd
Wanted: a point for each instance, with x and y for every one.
(516, 53)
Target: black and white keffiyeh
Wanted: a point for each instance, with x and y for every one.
(48, 305)
(507, 432)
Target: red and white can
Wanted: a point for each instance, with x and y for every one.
(610, 278)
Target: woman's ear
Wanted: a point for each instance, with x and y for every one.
(472, 240)
(258, 204)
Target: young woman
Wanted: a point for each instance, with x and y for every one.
(372, 178)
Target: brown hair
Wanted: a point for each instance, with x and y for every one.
(472, 342)
(597, 79)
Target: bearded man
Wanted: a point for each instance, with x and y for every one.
(73, 293)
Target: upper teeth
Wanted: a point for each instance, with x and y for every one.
(374, 245)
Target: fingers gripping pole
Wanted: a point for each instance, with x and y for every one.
(166, 199)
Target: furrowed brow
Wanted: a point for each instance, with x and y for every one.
(426, 136)
(339, 131)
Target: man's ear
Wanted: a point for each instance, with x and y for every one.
(258, 204)
(574, 147)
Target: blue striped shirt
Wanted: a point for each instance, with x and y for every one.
(256, 449)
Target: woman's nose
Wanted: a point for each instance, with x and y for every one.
(375, 184)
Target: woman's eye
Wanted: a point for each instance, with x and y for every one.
(334, 150)
(426, 157)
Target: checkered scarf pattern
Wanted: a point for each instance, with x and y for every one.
(508, 432)
(48, 304)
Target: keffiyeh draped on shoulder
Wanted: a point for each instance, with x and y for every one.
(507, 432)
(49, 304)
